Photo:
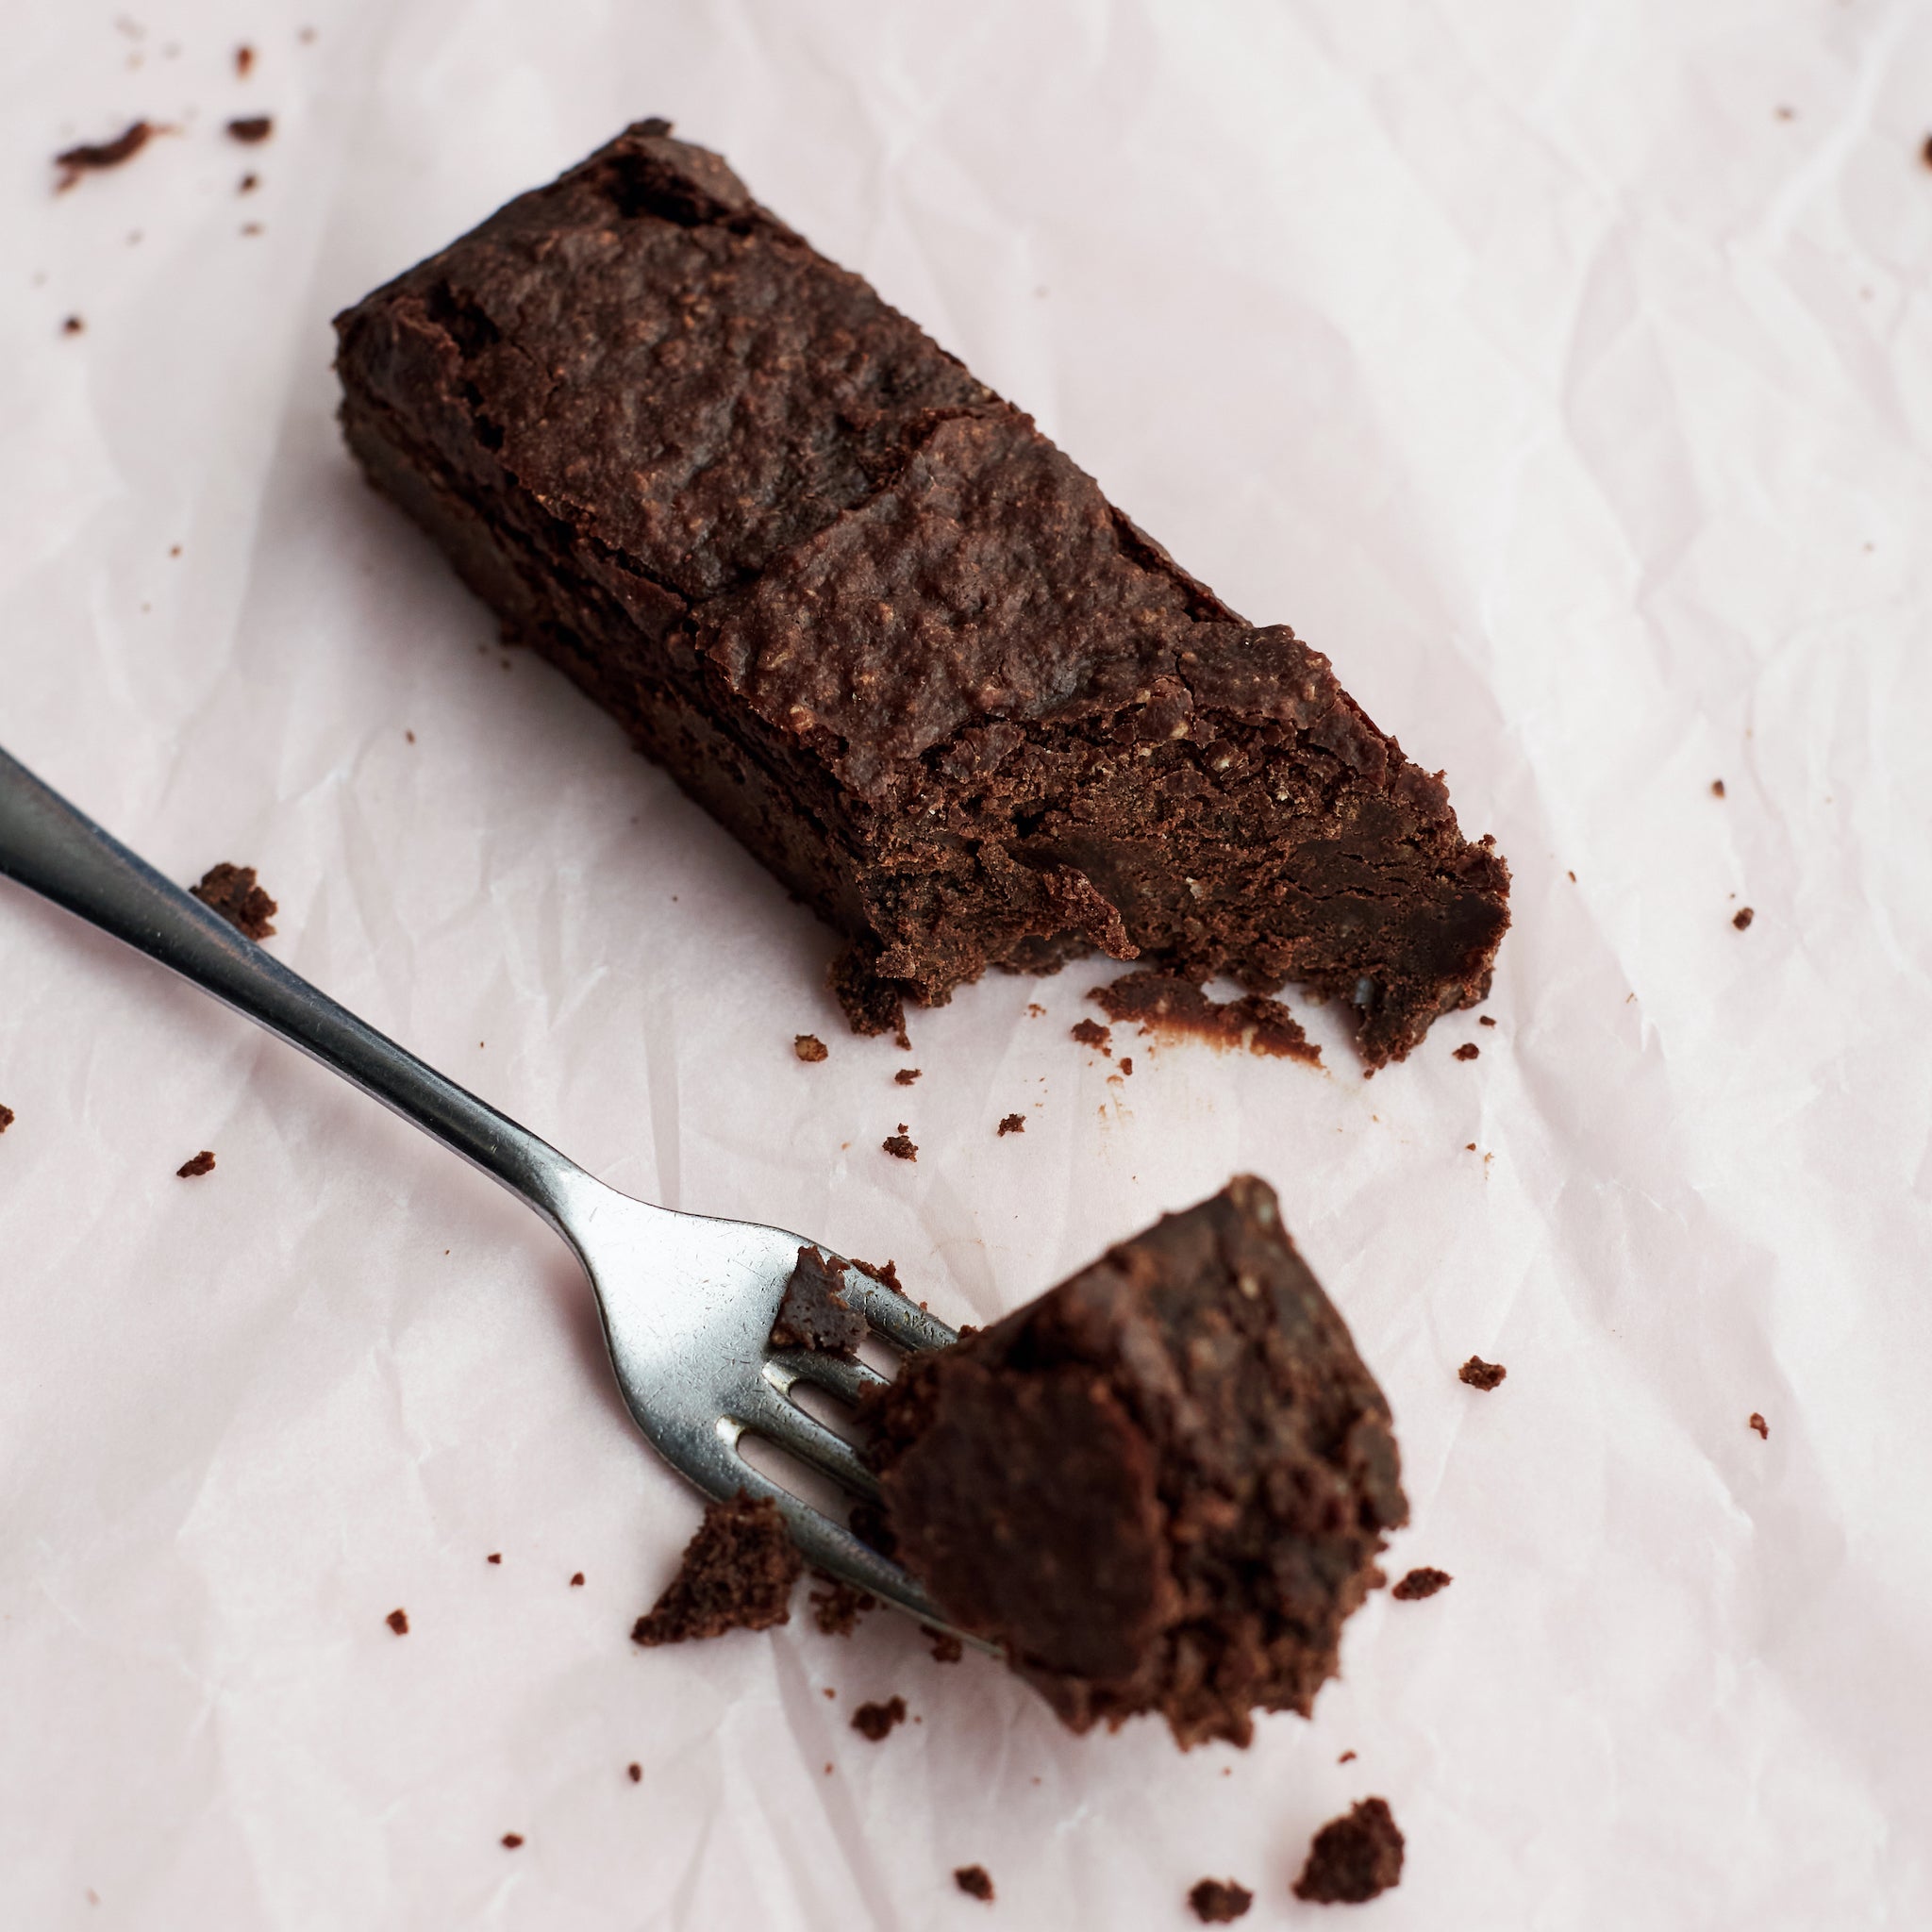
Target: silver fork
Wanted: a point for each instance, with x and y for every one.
(687, 1302)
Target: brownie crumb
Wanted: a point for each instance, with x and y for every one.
(1219, 1901)
(577, 1582)
(946, 1648)
(398, 1621)
(1717, 787)
(1479, 1374)
(636, 1773)
(885, 1273)
(1165, 1006)
(7, 1118)
(1925, 152)
(232, 891)
(1346, 1758)
(1092, 1033)
(73, 325)
(1741, 919)
(1353, 1858)
(737, 1573)
(814, 1314)
(245, 60)
(248, 184)
(494, 1556)
(511, 1840)
(873, 1005)
(904, 1076)
(874, 1723)
(836, 1608)
(1126, 1064)
(1467, 1051)
(973, 1880)
(809, 1047)
(195, 1166)
(1484, 1020)
(1013, 1123)
(1035, 1010)
(1421, 1583)
(898, 1146)
(1758, 1424)
(251, 128)
(90, 156)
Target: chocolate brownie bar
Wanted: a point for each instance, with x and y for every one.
(1162, 1486)
(880, 626)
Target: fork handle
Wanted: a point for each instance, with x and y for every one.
(53, 849)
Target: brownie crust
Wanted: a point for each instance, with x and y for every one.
(1162, 1486)
(880, 626)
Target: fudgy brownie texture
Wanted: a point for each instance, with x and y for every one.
(1162, 1486)
(1353, 1858)
(814, 1314)
(1219, 1901)
(880, 626)
(1166, 1003)
(1421, 1583)
(737, 1575)
(232, 891)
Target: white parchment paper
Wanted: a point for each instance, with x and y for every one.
(1564, 368)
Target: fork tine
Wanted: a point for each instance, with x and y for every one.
(903, 1323)
(784, 1422)
(838, 1375)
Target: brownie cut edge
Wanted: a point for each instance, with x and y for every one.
(1160, 1487)
(884, 631)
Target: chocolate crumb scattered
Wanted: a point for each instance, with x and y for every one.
(73, 325)
(1421, 1583)
(1165, 1006)
(737, 1573)
(636, 1773)
(248, 184)
(494, 1556)
(898, 1146)
(511, 1840)
(245, 60)
(577, 1582)
(1717, 787)
(1573, 878)
(1758, 1424)
(1925, 152)
(1353, 1859)
(1346, 1758)
(904, 1076)
(1479, 1374)
(1469, 1050)
(874, 1723)
(232, 891)
(1219, 1901)
(1013, 1123)
(251, 128)
(946, 1648)
(1035, 1010)
(1126, 1064)
(885, 1273)
(809, 1047)
(836, 1608)
(7, 1118)
(89, 157)
(814, 1314)
(973, 1880)
(1741, 919)
(1484, 1020)
(1092, 1033)
(195, 1166)
(398, 1621)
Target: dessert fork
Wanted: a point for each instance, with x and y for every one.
(687, 1302)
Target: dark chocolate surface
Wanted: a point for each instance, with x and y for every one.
(1160, 1487)
(895, 640)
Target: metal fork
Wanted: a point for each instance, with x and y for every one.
(687, 1302)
